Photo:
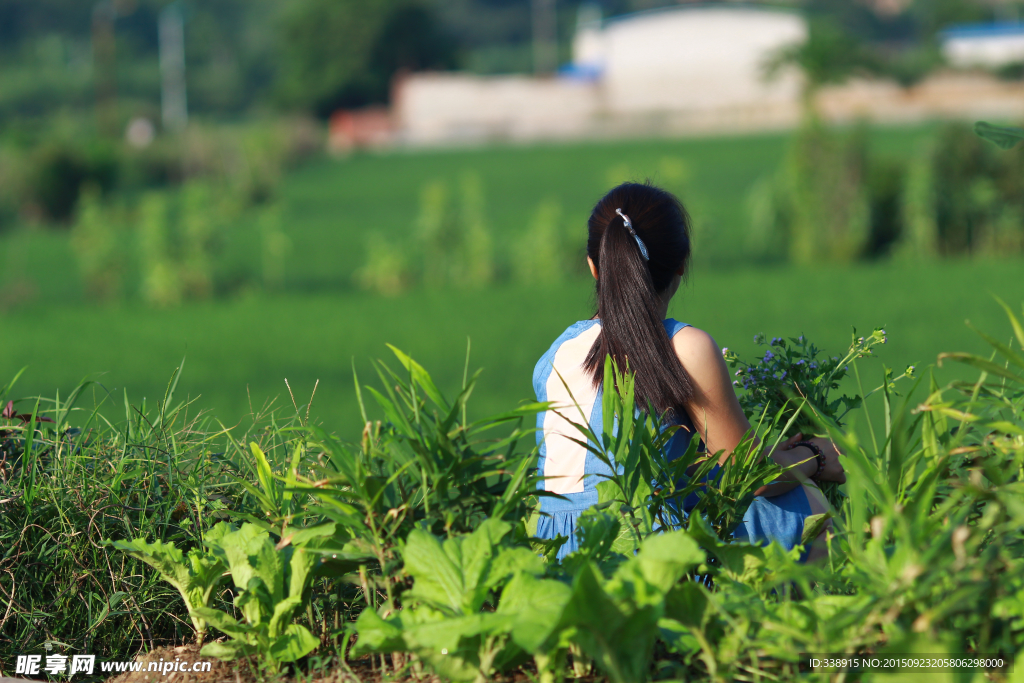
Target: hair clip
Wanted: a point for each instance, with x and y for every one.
(639, 242)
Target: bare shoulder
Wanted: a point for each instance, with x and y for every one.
(695, 347)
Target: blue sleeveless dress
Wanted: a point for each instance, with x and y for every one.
(574, 472)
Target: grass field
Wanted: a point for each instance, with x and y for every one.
(246, 345)
(256, 343)
(332, 207)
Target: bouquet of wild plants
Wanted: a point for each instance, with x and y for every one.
(794, 377)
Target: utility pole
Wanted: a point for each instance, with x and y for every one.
(545, 37)
(104, 65)
(173, 97)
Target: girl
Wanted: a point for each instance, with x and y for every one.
(638, 251)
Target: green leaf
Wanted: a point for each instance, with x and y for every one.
(537, 606)
(265, 476)
(227, 651)
(813, 526)
(166, 558)
(454, 576)
(296, 642)
(666, 557)
(982, 364)
(513, 562)
(1018, 329)
(421, 377)
(224, 622)
(618, 634)
(300, 571)
(302, 536)
(453, 647)
(1004, 137)
(282, 615)
(218, 532)
(251, 557)
(377, 635)
(690, 604)
(598, 530)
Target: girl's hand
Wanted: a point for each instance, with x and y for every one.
(791, 441)
(833, 469)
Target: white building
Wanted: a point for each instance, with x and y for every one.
(984, 45)
(694, 70)
(698, 58)
(671, 70)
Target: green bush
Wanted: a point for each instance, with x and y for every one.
(978, 205)
(65, 489)
(417, 537)
(833, 201)
(819, 207)
(164, 247)
(60, 170)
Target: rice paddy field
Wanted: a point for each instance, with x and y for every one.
(239, 349)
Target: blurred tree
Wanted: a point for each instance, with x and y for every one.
(344, 53)
(890, 38)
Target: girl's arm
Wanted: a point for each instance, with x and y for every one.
(716, 411)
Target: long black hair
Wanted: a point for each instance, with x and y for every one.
(629, 290)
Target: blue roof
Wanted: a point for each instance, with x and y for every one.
(1002, 28)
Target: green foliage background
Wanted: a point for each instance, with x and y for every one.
(311, 323)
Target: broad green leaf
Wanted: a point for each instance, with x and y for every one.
(453, 646)
(666, 557)
(195, 577)
(813, 526)
(252, 560)
(228, 650)
(207, 572)
(282, 615)
(741, 562)
(513, 562)
(597, 531)
(296, 642)
(1004, 137)
(536, 606)
(437, 579)
(690, 604)
(453, 575)
(476, 553)
(301, 536)
(377, 635)
(300, 567)
(218, 532)
(677, 637)
(166, 558)
(224, 622)
(619, 636)
(590, 605)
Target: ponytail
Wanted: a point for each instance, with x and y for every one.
(630, 220)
